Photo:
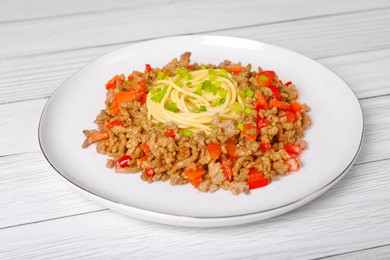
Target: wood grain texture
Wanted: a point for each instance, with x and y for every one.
(322, 227)
(378, 253)
(41, 36)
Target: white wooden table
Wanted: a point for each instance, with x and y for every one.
(42, 43)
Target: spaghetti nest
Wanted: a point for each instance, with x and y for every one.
(192, 98)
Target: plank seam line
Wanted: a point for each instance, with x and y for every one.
(350, 252)
(50, 219)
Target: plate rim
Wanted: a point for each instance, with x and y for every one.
(316, 193)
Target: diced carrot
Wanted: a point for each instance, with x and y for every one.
(231, 149)
(262, 100)
(235, 69)
(293, 149)
(130, 78)
(247, 132)
(142, 159)
(279, 104)
(115, 123)
(296, 107)
(214, 150)
(145, 147)
(227, 168)
(122, 97)
(195, 176)
(94, 138)
(170, 133)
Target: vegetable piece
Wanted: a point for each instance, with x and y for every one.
(261, 122)
(115, 123)
(235, 69)
(223, 73)
(256, 179)
(186, 132)
(231, 149)
(275, 91)
(149, 172)
(265, 78)
(237, 107)
(122, 97)
(250, 132)
(143, 98)
(294, 164)
(94, 138)
(258, 106)
(160, 74)
(293, 149)
(279, 104)
(249, 93)
(179, 83)
(296, 107)
(242, 94)
(148, 68)
(227, 168)
(172, 107)
(247, 110)
(202, 108)
(112, 82)
(195, 176)
(145, 147)
(262, 100)
(288, 83)
(214, 150)
(240, 126)
(170, 133)
(265, 147)
(123, 161)
(291, 116)
(159, 94)
(130, 78)
(142, 159)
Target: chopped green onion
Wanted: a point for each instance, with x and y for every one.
(263, 78)
(212, 77)
(203, 67)
(247, 110)
(189, 76)
(159, 124)
(128, 82)
(179, 83)
(237, 108)
(206, 86)
(195, 110)
(219, 102)
(241, 93)
(223, 92)
(160, 74)
(218, 84)
(213, 89)
(202, 108)
(198, 90)
(223, 73)
(172, 107)
(211, 71)
(240, 126)
(153, 91)
(249, 93)
(214, 127)
(189, 83)
(160, 94)
(183, 72)
(186, 132)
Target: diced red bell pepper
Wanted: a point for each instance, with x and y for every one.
(265, 147)
(235, 69)
(149, 172)
(296, 107)
(275, 91)
(123, 161)
(261, 122)
(288, 83)
(214, 150)
(265, 78)
(293, 149)
(130, 78)
(291, 116)
(148, 68)
(256, 179)
(143, 98)
(115, 123)
(112, 82)
(227, 169)
(247, 132)
(170, 133)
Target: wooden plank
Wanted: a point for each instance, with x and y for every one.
(321, 228)
(18, 130)
(119, 27)
(31, 191)
(12, 11)
(34, 77)
(378, 253)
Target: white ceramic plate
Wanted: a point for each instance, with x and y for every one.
(334, 138)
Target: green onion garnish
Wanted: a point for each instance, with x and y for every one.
(218, 84)
(186, 132)
(263, 78)
(242, 94)
(172, 107)
(223, 73)
(203, 66)
(249, 93)
(159, 94)
(223, 92)
(206, 86)
(214, 127)
(237, 108)
(179, 83)
(247, 110)
(240, 126)
(212, 77)
(198, 90)
(128, 82)
(159, 124)
(160, 74)
(202, 108)
(189, 83)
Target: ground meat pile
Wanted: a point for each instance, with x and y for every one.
(263, 143)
